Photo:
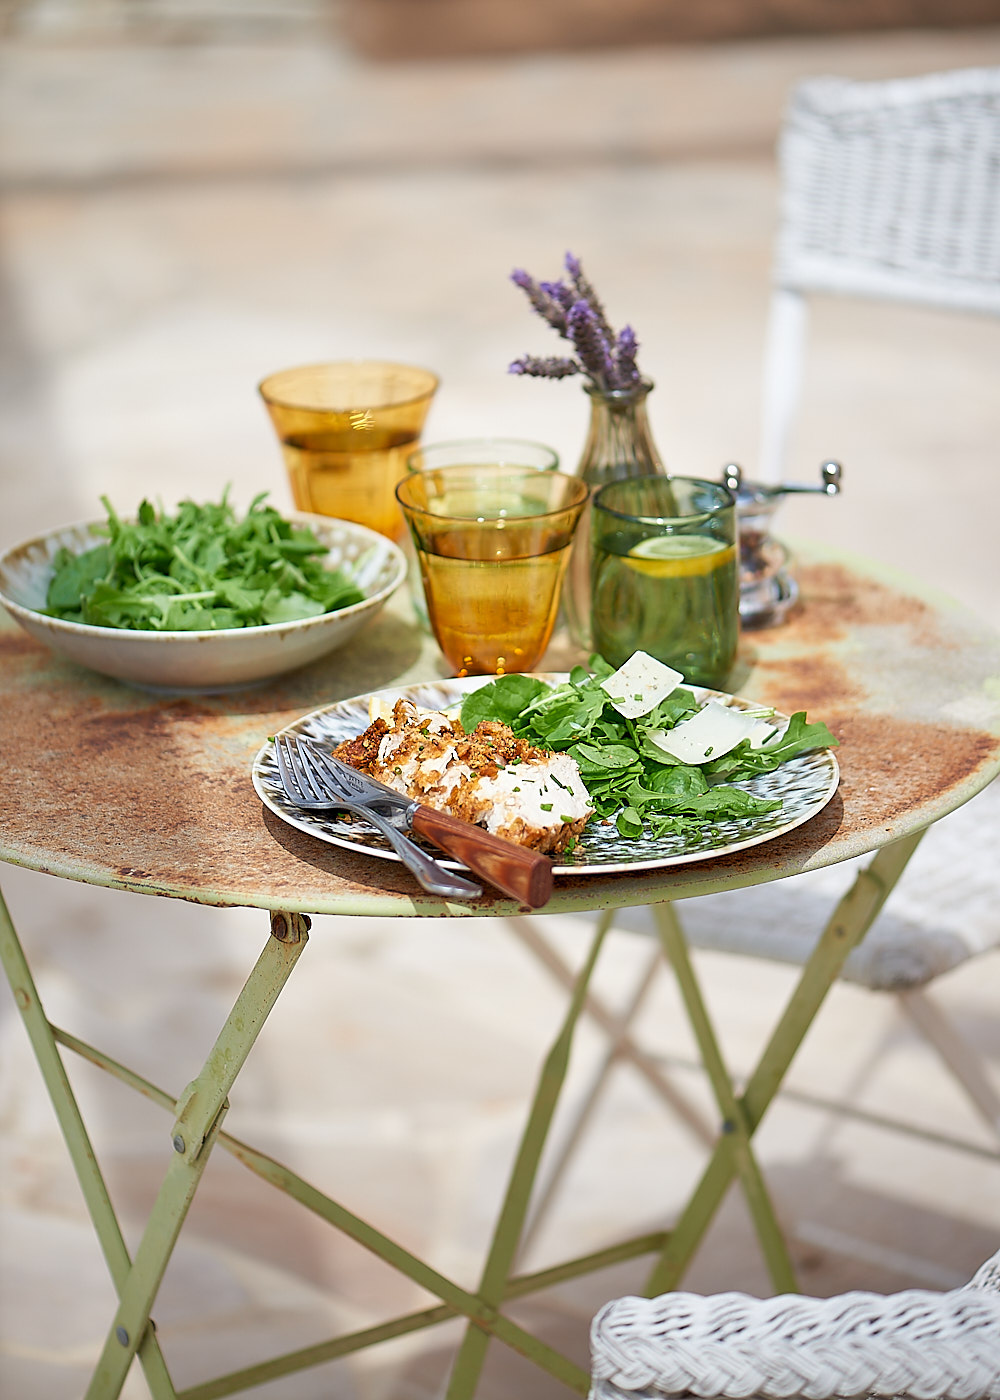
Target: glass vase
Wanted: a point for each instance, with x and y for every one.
(619, 445)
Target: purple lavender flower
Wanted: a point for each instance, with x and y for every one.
(591, 346)
(625, 354)
(574, 310)
(546, 306)
(546, 367)
(560, 293)
(585, 292)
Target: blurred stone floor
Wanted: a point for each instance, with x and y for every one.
(182, 212)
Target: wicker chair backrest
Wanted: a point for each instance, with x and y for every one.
(892, 189)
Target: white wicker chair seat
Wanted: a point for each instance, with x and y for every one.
(920, 1345)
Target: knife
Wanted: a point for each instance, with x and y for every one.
(523, 874)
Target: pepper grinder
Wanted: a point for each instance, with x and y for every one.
(767, 586)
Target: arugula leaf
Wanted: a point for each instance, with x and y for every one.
(201, 569)
(800, 737)
(75, 577)
(720, 802)
(617, 756)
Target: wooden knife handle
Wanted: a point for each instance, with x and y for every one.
(525, 875)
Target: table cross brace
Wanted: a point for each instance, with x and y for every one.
(462, 1302)
(854, 915)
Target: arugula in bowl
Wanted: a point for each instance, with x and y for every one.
(202, 569)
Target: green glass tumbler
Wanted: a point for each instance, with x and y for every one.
(664, 575)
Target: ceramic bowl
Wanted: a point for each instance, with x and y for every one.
(201, 662)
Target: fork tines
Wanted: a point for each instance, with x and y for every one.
(321, 769)
(294, 771)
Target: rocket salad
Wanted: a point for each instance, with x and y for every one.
(199, 570)
(625, 759)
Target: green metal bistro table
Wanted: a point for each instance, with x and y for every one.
(118, 788)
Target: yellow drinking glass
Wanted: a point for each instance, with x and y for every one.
(492, 544)
(346, 430)
(484, 452)
(470, 452)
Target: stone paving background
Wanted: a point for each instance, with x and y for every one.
(192, 196)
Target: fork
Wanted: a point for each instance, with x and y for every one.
(303, 787)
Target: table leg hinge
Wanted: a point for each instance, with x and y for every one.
(188, 1143)
(290, 928)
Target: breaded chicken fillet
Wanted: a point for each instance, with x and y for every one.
(527, 795)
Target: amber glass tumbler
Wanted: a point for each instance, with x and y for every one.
(493, 543)
(346, 430)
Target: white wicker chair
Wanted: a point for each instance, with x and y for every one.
(888, 190)
(928, 1346)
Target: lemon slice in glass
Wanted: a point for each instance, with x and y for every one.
(679, 556)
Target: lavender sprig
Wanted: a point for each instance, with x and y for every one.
(546, 305)
(626, 350)
(546, 367)
(585, 292)
(574, 310)
(592, 348)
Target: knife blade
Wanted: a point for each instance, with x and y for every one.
(523, 874)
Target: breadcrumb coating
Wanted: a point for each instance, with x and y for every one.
(527, 795)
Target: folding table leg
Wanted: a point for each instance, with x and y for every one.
(954, 1052)
(851, 920)
(507, 1233)
(78, 1142)
(734, 1126)
(200, 1111)
(621, 1047)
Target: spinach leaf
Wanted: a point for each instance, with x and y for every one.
(503, 700)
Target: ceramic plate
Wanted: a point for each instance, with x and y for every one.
(805, 785)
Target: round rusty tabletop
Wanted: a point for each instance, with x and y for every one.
(113, 786)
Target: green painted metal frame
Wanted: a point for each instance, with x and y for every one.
(741, 1115)
(199, 1112)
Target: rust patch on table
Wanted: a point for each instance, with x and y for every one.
(816, 683)
(890, 766)
(835, 599)
(126, 736)
(16, 643)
